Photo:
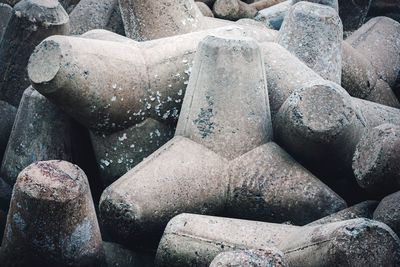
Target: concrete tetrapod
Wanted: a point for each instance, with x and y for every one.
(208, 122)
(195, 240)
(71, 237)
(250, 258)
(375, 161)
(109, 86)
(41, 132)
(326, 135)
(32, 21)
(314, 34)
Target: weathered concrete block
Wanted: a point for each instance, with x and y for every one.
(119, 152)
(323, 134)
(41, 132)
(379, 41)
(6, 12)
(361, 210)
(32, 21)
(259, 183)
(210, 123)
(314, 34)
(147, 79)
(227, 73)
(256, 258)
(94, 14)
(147, 20)
(388, 212)
(52, 220)
(375, 162)
(7, 117)
(194, 240)
(182, 175)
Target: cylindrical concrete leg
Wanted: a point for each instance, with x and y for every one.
(388, 212)
(180, 176)
(119, 152)
(33, 21)
(267, 184)
(256, 258)
(322, 134)
(6, 12)
(148, 20)
(52, 220)
(361, 210)
(233, 10)
(378, 41)
(7, 118)
(226, 106)
(314, 34)
(285, 73)
(116, 85)
(195, 240)
(41, 132)
(376, 159)
(317, 132)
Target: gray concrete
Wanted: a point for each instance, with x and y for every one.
(194, 240)
(379, 41)
(233, 10)
(158, 71)
(96, 14)
(215, 133)
(267, 184)
(204, 9)
(148, 20)
(41, 132)
(327, 134)
(314, 34)
(34, 20)
(52, 220)
(361, 210)
(119, 152)
(226, 106)
(181, 176)
(388, 212)
(375, 162)
(250, 258)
